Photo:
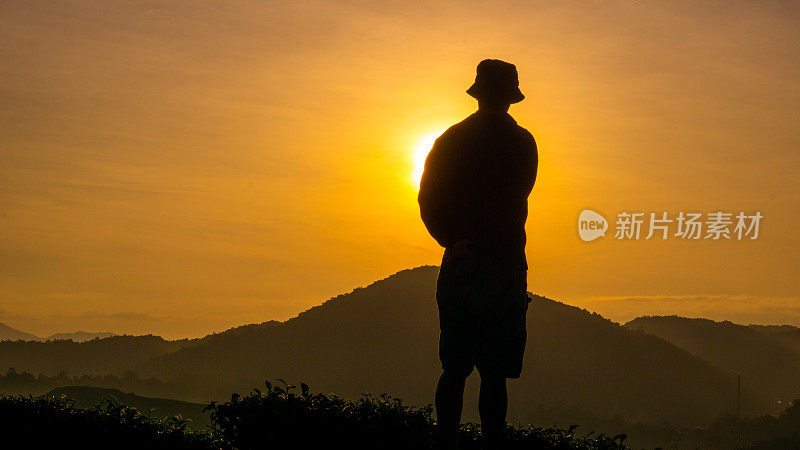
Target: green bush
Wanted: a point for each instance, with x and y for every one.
(49, 422)
(279, 417)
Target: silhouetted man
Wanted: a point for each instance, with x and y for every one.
(473, 198)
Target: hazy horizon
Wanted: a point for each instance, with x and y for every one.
(182, 169)
(620, 318)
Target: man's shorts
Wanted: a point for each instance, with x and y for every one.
(482, 318)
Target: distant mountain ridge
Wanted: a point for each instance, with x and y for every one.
(10, 334)
(766, 357)
(788, 335)
(113, 354)
(78, 336)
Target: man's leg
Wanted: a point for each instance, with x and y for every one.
(449, 402)
(492, 405)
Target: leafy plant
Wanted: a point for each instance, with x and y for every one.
(52, 422)
(278, 417)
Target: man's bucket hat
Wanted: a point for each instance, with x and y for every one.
(496, 80)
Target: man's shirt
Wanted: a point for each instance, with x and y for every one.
(476, 183)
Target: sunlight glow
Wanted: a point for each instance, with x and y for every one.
(420, 153)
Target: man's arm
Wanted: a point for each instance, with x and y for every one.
(532, 163)
(437, 204)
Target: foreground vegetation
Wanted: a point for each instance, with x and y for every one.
(50, 422)
(281, 416)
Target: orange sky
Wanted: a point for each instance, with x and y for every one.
(180, 169)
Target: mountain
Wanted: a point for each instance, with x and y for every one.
(763, 356)
(82, 353)
(87, 397)
(235, 331)
(78, 336)
(111, 355)
(787, 335)
(383, 338)
(10, 334)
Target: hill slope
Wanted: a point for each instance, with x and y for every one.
(88, 396)
(787, 335)
(383, 338)
(111, 355)
(83, 353)
(10, 334)
(764, 361)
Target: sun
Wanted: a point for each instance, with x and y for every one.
(419, 154)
